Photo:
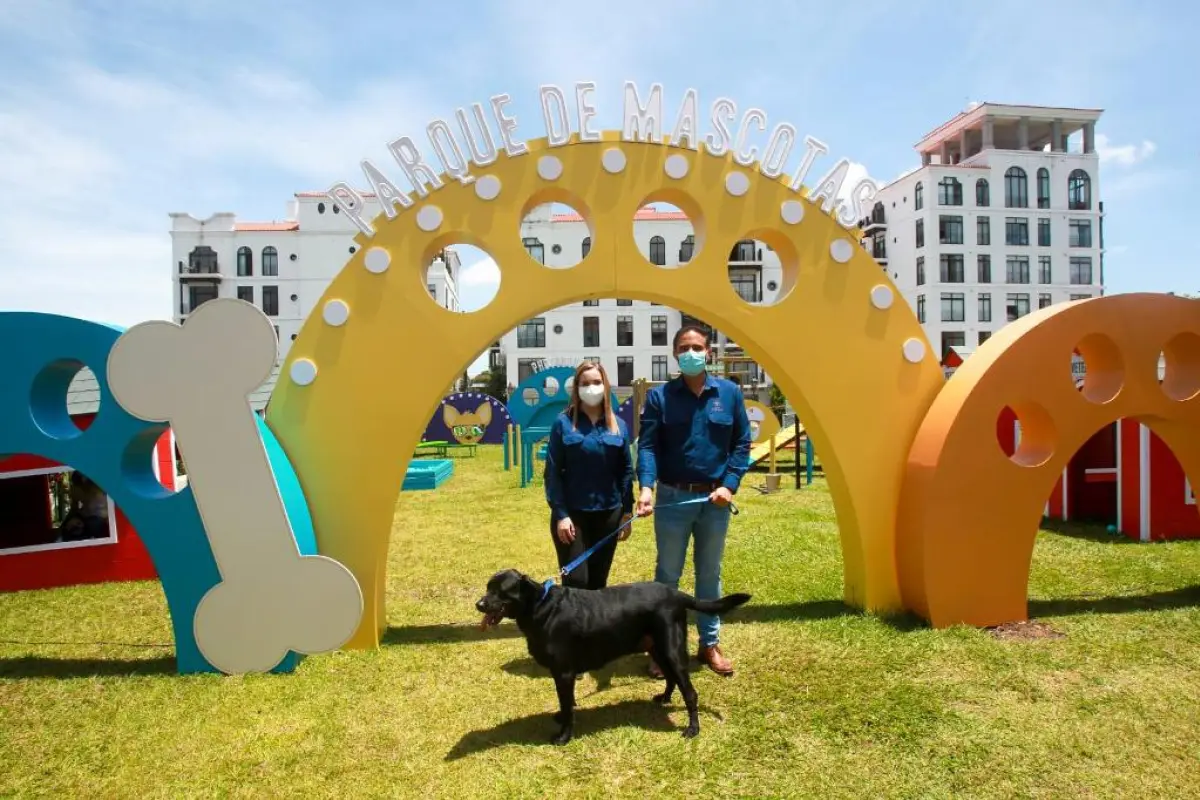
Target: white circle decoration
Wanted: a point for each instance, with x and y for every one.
(914, 351)
(676, 166)
(792, 211)
(487, 187)
(429, 218)
(613, 160)
(841, 250)
(303, 372)
(737, 184)
(549, 168)
(882, 297)
(377, 260)
(335, 313)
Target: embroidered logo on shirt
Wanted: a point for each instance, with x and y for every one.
(716, 406)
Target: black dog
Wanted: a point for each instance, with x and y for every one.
(572, 631)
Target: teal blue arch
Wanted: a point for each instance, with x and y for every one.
(39, 356)
(548, 405)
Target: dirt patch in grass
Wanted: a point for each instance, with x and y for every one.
(1025, 631)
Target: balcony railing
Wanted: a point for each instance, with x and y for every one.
(197, 270)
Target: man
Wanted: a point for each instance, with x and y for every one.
(694, 443)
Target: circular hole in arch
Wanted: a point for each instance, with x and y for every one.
(763, 267)
(569, 385)
(668, 229)
(459, 275)
(151, 465)
(530, 396)
(1179, 367)
(1025, 432)
(556, 229)
(550, 386)
(1097, 368)
(64, 398)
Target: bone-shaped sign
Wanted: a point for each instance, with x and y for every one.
(197, 377)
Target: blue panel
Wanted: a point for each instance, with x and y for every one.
(542, 413)
(39, 355)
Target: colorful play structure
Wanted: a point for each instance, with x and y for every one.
(278, 545)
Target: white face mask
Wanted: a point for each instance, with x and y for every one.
(592, 395)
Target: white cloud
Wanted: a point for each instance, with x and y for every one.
(481, 273)
(1125, 155)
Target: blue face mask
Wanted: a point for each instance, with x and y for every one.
(691, 362)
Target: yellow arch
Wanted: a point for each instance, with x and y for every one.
(969, 513)
(840, 358)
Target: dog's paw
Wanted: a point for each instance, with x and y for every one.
(691, 731)
(562, 737)
(663, 698)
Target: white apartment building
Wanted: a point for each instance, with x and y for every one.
(281, 267)
(631, 338)
(1002, 218)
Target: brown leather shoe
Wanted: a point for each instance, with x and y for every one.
(714, 659)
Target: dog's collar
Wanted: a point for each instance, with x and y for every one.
(546, 587)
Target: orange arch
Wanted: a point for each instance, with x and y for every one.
(968, 513)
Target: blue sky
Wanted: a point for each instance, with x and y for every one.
(113, 114)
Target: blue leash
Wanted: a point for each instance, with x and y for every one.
(565, 571)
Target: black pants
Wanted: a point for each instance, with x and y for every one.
(590, 527)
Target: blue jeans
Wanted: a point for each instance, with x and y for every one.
(673, 527)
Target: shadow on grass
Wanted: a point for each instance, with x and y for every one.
(538, 728)
(1085, 531)
(42, 667)
(1186, 597)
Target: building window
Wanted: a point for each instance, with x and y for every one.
(744, 251)
(1081, 271)
(591, 331)
(197, 296)
(920, 233)
(1043, 300)
(952, 269)
(535, 249)
(624, 331)
(983, 194)
(1016, 306)
(984, 336)
(1016, 188)
(983, 269)
(586, 247)
(1045, 270)
(1016, 231)
(985, 308)
(624, 370)
(658, 250)
(532, 333)
(1043, 187)
(950, 230)
(953, 307)
(951, 339)
(921, 309)
(270, 297)
(1017, 269)
(246, 294)
(921, 271)
(526, 367)
(245, 262)
(1081, 297)
(432, 290)
(202, 261)
(919, 197)
(1079, 191)
(950, 192)
(1081, 233)
(270, 262)
(1043, 232)
(658, 331)
(591, 303)
(624, 302)
(687, 248)
(983, 231)
(658, 368)
(879, 245)
(747, 283)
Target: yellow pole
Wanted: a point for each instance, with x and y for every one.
(772, 455)
(516, 440)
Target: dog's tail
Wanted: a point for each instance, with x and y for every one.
(723, 606)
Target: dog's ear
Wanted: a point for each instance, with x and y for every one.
(484, 412)
(449, 415)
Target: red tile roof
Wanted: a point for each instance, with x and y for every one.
(267, 227)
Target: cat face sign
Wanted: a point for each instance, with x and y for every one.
(467, 427)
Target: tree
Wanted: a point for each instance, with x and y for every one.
(497, 383)
(778, 401)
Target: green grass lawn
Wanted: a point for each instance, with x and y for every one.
(826, 702)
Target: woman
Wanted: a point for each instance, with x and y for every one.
(589, 478)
